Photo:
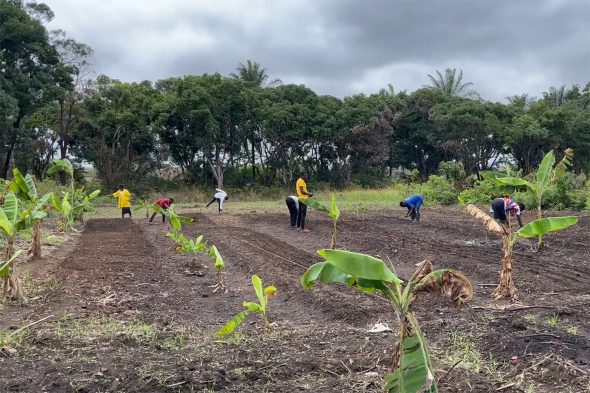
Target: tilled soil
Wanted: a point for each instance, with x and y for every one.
(126, 315)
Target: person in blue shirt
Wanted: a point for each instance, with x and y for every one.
(413, 204)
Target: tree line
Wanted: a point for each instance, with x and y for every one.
(246, 128)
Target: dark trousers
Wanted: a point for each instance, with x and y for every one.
(125, 210)
(218, 203)
(415, 214)
(292, 205)
(301, 215)
(499, 209)
(154, 215)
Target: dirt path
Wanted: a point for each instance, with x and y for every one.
(128, 319)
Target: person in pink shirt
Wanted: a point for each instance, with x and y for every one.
(164, 203)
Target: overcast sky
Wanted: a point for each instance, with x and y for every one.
(340, 47)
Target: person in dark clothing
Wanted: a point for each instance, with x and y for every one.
(292, 202)
(413, 204)
(164, 203)
(502, 206)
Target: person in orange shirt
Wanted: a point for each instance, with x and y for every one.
(302, 194)
(123, 197)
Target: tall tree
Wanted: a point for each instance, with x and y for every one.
(116, 130)
(256, 76)
(32, 73)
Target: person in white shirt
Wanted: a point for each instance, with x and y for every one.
(292, 202)
(219, 196)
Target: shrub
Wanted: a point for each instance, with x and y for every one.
(453, 171)
(440, 190)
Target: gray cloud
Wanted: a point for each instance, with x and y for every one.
(340, 47)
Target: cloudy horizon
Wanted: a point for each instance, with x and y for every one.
(340, 47)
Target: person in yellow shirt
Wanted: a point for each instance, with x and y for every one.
(302, 194)
(123, 196)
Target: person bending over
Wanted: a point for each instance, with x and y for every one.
(504, 207)
(413, 204)
(302, 194)
(164, 203)
(123, 197)
(219, 196)
(292, 202)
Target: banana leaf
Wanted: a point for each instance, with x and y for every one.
(359, 265)
(544, 171)
(233, 323)
(543, 226)
(414, 373)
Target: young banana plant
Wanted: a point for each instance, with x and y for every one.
(263, 295)
(333, 212)
(144, 204)
(10, 224)
(24, 188)
(188, 246)
(173, 218)
(537, 228)
(546, 173)
(199, 246)
(63, 206)
(83, 203)
(11, 284)
(411, 369)
(220, 266)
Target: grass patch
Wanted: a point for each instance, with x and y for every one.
(354, 200)
(9, 340)
(553, 320)
(573, 330)
(88, 330)
(52, 240)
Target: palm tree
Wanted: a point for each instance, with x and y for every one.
(522, 101)
(555, 96)
(451, 84)
(252, 72)
(388, 91)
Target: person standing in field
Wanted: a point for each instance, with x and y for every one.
(219, 196)
(501, 206)
(123, 197)
(292, 202)
(413, 204)
(164, 204)
(302, 194)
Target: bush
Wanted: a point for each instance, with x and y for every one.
(453, 171)
(440, 190)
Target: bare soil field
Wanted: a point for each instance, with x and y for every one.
(123, 315)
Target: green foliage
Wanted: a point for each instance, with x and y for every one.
(188, 246)
(453, 171)
(263, 295)
(217, 259)
(62, 165)
(333, 212)
(83, 203)
(5, 265)
(412, 371)
(543, 226)
(175, 220)
(440, 190)
(9, 216)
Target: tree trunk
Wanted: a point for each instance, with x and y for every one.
(12, 287)
(6, 166)
(35, 247)
(506, 286)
